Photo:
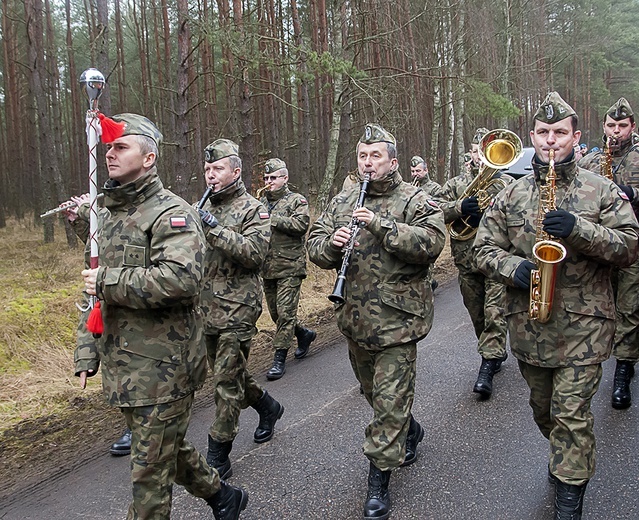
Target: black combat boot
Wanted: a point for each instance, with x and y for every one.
(377, 505)
(228, 502)
(621, 397)
(123, 445)
(304, 339)
(414, 437)
(279, 365)
(569, 500)
(218, 457)
(484, 384)
(270, 411)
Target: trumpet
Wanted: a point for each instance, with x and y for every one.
(65, 206)
(548, 254)
(498, 149)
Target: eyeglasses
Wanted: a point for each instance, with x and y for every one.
(268, 178)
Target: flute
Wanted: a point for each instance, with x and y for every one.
(65, 206)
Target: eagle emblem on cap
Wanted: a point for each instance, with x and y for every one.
(550, 112)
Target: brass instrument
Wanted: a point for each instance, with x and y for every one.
(548, 253)
(606, 158)
(260, 192)
(498, 150)
(65, 206)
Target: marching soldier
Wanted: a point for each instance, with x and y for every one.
(388, 304)
(482, 297)
(285, 264)
(421, 178)
(237, 229)
(560, 356)
(621, 164)
(151, 353)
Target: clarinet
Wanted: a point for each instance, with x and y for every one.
(337, 296)
(204, 198)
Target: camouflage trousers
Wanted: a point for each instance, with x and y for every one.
(626, 342)
(282, 299)
(233, 386)
(560, 399)
(160, 456)
(484, 300)
(387, 378)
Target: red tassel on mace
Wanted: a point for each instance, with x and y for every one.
(111, 130)
(94, 321)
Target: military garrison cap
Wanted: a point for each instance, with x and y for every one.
(620, 110)
(374, 133)
(479, 135)
(416, 161)
(219, 149)
(553, 109)
(272, 165)
(135, 124)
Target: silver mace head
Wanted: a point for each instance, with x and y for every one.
(93, 82)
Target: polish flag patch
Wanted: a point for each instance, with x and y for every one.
(264, 214)
(178, 222)
(304, 201)
(623, 195)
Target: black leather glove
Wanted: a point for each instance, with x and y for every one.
(521, 278)
(207, 218)
(628, 191)
(559, 223)
(474, 220)
(470, 206)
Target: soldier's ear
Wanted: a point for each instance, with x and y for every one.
(149, 160)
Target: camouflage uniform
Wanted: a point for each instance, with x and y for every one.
(483, 297)
(232, 301)
(625, 168)
(431, 187)
(389, 301)
(151, 352)
(561, 359)
(285, 264)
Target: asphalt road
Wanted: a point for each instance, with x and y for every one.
(479, 459)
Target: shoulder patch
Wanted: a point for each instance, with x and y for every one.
(264, 215)
(303, 200)
(623, 195)
(178, 222)
(433, 204)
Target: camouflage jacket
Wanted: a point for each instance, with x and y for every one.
(389, 300)
(431, 188)
(151, 268)
(605, 234)
(289, 223)
(450, 200)
(625, 167)
(237, 247)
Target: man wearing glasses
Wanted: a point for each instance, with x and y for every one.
(237, 229)
(285, 265)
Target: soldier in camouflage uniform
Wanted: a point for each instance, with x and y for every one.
(285, 265)
(561, 359)
(389, 301)
(483, 297)
(237, 229)
(421, 179)
(151, 352)
(619, 127)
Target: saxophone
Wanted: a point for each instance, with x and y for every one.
(606, 158)
(548, 253)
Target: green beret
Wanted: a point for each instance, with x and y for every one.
(620, 110)
(374, 133)
(553, 109)
(219, 149)
(272, 165)
(135, 124)
(416, 161)
(479, 135)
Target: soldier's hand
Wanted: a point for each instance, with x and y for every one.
(341, 237)
(559, 223)
(90, 277)
(470, 206)
(628, 191)
(521, 278)
(364, 215)
(207, 218)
